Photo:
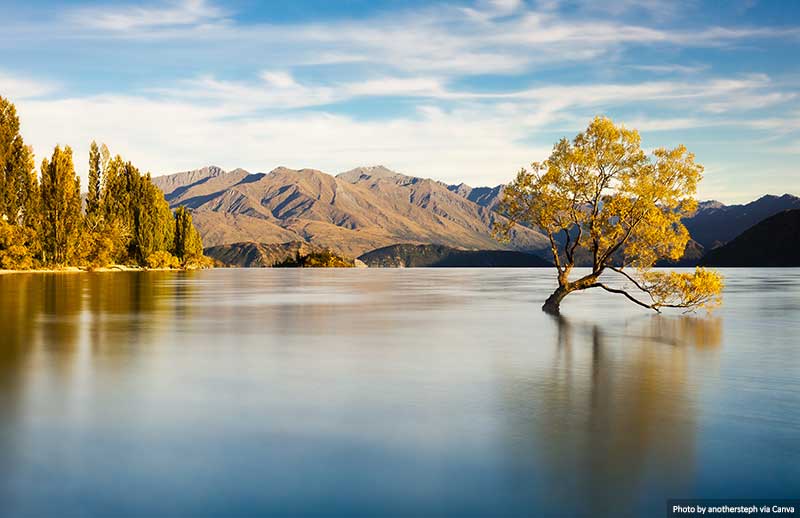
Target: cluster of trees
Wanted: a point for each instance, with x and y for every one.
(124, 220)
(323, 259)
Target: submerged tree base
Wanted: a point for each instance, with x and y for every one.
(552, 305)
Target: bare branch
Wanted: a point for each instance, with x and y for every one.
(634, 281)
(630, 297)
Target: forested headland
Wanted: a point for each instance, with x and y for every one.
(124, 219)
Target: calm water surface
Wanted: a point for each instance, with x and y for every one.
(388, 392)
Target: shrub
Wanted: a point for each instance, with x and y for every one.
(194, 262)
(15, 253)
(162, 259)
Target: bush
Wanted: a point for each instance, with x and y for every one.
(194, 262)
(323, 259)
(15, 253)
(96, 249)
(162, 259)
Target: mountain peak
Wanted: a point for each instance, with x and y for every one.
(709, 205)
(366, 173)
(171, 182)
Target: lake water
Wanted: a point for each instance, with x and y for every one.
(388, 392)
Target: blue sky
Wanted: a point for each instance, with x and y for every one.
(457, 91)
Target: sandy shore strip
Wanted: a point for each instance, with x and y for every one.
(105, 269)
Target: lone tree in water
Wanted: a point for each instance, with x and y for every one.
(604, 202)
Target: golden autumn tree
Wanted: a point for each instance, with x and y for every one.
(602, 198)
(61, 208)
(188, 246)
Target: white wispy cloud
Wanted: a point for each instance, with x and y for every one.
(128, 18)
(280, 89)
(671, 68)
(166, 136)
(503, 36)
(16, 87)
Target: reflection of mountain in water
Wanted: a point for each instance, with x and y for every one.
(612, 412)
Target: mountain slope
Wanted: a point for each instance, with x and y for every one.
(261, 255)
(772, 242)
(417, 256)
(171, 183)
(712, 225)
(715, 224)
(484, 196)
(359, 210)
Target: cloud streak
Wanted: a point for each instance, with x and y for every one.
(133, 19)
(491, 37)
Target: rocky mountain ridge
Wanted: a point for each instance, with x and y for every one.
(371, 207)
(352, 213)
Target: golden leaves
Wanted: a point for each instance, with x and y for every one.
(602, 194)
(698, 289)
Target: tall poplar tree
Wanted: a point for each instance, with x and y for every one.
(188, 245)
(19, 200)
(9, 134)
(61, 207)
(153, 222)
(93, 196)
(28, 201)
(15, 176)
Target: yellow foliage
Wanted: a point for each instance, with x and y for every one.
(601, 196)
(698, 289)
(162, 259)
(193, 262)
(96, 248)
(15, 246)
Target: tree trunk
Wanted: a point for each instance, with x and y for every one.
(553, 303)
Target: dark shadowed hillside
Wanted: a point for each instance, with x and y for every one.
(692, 254)
(255, 255)
(416, 256)
(772, 242)
(715, 224)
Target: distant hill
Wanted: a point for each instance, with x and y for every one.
(356, 211)
(714, 224)
(692, 254)
(260, 255)
(416, 256)
(772, 242)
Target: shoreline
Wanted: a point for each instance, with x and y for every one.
(105, 269)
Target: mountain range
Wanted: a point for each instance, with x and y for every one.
(354, 212)
(714, 224)
(367, 208)
(774, 241)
